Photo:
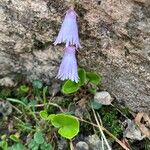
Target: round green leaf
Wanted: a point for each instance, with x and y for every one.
(24, 88)
(93, 77)
(82, 76)
(17, 146)
(38, 137)
(37, 84)
(44, 114)
(68, 125)
(95, 105)
(93, 90)
(70, 87)
(46, 146)
(14, 138)
(3, 145)
(32, 144)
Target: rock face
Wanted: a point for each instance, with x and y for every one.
(115, 36)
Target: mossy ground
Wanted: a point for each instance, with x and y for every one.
(24, 121)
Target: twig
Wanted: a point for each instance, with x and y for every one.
(100, 129)
(19, 111)
(120, 111)
(111, 135)
(53, 104)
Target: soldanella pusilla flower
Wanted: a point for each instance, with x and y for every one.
(68, 67)
(68, 34)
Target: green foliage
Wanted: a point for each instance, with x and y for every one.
(70, 87)
(16, 101)
(38, 138)
(95, 105)
(24, 88)
(68, 125)
(21, 91)
(84, 78)
(110, 120)
(147, 144)
(93, 90)
(17, 146)
(4, 93)
(3, 145)
(14, 137)
(44, 114)
(37, 84)
(38, 142)
(93, 77)
(24, 127)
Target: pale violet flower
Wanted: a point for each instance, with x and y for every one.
(68, 67)
(69, 30)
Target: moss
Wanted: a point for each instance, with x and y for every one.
(110, 119)
(5, 92)
(147, 144)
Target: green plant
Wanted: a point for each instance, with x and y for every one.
(95, 105)
(37, 88)
(90, 79)
(4, 93)
(38, 142)
(17, 146)
(68, 125)
(3, 145)
(110, 120)
(14, 138)
(21, 91)
(37, 84)
(147, 144)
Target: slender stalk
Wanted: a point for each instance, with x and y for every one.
(100, 129)
(71, 145)
(44, 97)
(111, 135)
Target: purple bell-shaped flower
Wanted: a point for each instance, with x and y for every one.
(69, 30)
(68, 67)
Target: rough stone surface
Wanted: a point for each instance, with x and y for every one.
(115, 36)
(95, 143)
(103, 98)
(82, 146)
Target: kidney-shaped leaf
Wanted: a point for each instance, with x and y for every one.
(70, 87)
(93, 77)
(68, 125)
(82, 76)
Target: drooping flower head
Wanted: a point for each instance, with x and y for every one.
(69, 30)
(68, 67)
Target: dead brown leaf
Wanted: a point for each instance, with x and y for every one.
(143, 121)
(146, 119)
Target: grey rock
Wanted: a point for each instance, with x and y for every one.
(132, 131)
(95, 143)
(5, 108)
(54, 89)
(7, 82)
(115, 43)
(82, 146)
(62, 144)
(103, 98)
